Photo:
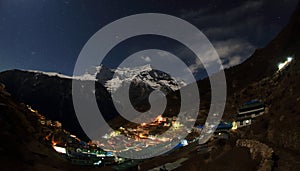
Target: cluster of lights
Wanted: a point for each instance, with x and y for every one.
(141, 133)
(98, 163)
(285, 63)
(32, 110)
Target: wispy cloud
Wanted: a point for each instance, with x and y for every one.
(228, 31)
(146, 58)
(205, 15)
(233, 51)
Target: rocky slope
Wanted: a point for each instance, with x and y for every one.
(263, 62)
(279, 127)
(258, 78)
(52, 95)
(19, 147)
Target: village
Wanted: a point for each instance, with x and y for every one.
(92, 153)
(145, 135)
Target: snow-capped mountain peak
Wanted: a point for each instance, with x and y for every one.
(112, 79)
(142, 75)
(55, 74)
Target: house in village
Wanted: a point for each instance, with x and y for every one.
(249, 111)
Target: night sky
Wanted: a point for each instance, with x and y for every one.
(48, 35)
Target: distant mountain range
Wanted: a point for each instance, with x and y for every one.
(112, 79)
(50, 92)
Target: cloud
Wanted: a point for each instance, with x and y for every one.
(146, 58)
(228, 31)
(245, 8)
(205, 15)
(162, 53)
(194, 13)
(232, 47)
(235, 29)
(231, 52)
(236, 22)
(235, 60)
(194, 68)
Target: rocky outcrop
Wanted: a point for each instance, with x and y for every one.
(2, 87)
(258, 149)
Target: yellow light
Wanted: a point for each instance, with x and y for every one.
(234, 125)
(142, 136)
(176, 125)
(29, 107)
(159, 119)
(60, 149)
